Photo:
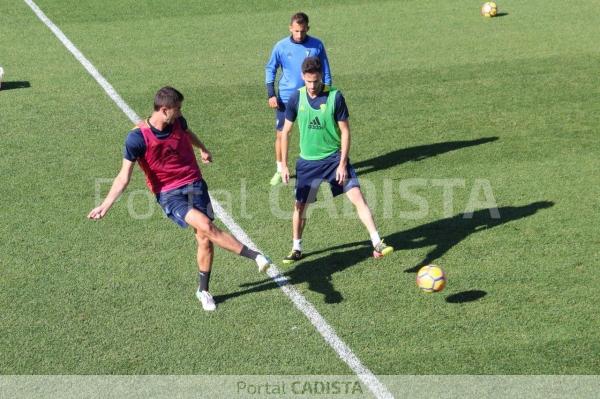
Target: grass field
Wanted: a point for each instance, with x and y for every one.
(438, 96)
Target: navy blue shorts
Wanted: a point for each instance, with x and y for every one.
(279, 115)
(310, 175)
(177, 203)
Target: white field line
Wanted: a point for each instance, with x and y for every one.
(326, 331)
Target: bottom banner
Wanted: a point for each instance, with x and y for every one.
(296, 386)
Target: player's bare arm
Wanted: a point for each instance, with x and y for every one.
(342, 173)
(117, 188)
(204, 153)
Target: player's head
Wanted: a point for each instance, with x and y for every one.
(299, 27)
(312, 72)
(167, 102)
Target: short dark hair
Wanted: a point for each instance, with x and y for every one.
(312, 65)
(300, 18)
(167, 97)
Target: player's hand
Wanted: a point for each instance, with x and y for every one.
(341, 174)
(273, 102)
(206, 156)
(285, 174)
(97, 213)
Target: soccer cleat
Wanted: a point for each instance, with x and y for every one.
(294, 256)
(276, 179)
(382, 249)
(207, 301)
(263, 263)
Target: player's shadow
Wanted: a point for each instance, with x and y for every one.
(317, 273)
(446, 233)
(11, 85)
(417, 153)
(442, 235)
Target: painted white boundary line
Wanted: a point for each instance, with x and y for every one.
(328, 333)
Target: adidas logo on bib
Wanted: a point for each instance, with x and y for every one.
(315, 123)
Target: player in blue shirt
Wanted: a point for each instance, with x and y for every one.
(288, 55)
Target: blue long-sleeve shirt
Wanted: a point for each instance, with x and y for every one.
(288, 55)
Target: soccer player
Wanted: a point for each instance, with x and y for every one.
(163, 147)
(322, 117)
(288, 55)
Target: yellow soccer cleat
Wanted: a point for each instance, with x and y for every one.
(276, 179)
(382, 249)
(294, 256)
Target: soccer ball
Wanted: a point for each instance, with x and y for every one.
(489, 9)
(431, 278)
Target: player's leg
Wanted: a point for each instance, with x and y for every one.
(190, 205)
(308, 179)
(362, 209)
(365, 215)
(298, 223)
(205, 257)
(352, 189)
(276, 179)
(200, 201)
(206, 251)
(279, 121)
(298, 220)
(205, 226)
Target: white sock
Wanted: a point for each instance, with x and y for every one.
(297, 245)
(375, 239)
(279, 166)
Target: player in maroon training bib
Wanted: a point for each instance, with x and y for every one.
(163, 145)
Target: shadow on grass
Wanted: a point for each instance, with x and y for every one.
(316, 272)
(414, 154)
(466, 296)
(446, 233)
(442, 234)
(15, 85)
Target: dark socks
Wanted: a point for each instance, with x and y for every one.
(203, 278)
(248, 253)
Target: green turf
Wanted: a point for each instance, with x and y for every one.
(435, 92)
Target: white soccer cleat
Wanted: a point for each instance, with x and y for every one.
(263, 263)
(1, 75)
(207, 301)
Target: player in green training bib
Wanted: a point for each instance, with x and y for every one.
(320, 135)
(322, 117)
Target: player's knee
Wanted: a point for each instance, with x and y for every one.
(209, 230)
(202, 240)
(355, 196)
(203, 227)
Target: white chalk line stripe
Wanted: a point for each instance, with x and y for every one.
(326, 331)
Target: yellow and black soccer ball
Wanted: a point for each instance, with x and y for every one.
(489, 9)
(431, 278)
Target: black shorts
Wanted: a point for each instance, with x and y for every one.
(310, 175)
(177, 203)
